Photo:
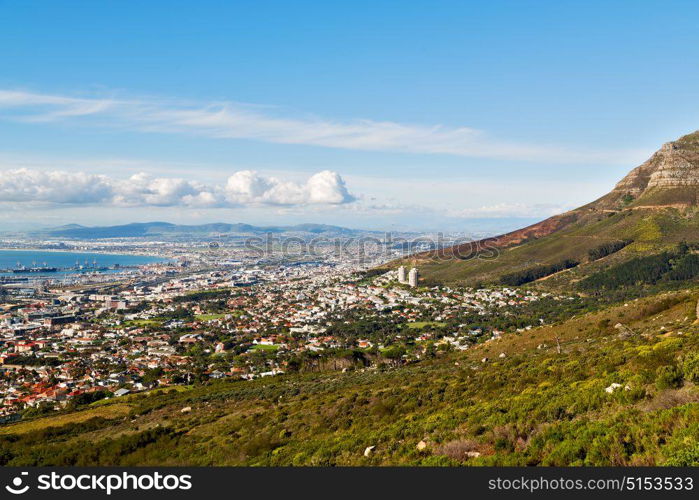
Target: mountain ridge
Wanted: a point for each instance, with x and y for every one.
(155, 228)
(654, 206)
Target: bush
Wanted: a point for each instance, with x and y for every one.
(457, 450)
(686, 457)
(690, 367)
(668, 377)
(87, 398)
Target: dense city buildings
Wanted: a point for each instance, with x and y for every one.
(205, 312)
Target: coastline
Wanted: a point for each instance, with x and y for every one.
(96, 252)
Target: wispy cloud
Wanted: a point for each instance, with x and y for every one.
(496, 211)
(243, 188)
(229, 120)
(500, 210)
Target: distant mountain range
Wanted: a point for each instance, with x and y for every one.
(155, 229)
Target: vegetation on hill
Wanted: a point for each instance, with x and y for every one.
(538, 272)
(677, 265)
(607, 249)
(611, 387)
(648, 232)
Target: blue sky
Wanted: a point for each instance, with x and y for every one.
(411, 115)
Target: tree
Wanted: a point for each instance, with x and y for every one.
(151, 376)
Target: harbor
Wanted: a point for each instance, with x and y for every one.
(27, 264)
(45, 268)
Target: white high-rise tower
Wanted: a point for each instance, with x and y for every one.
(401, 275)
(413, 277)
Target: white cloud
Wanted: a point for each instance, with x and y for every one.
(237, 121)
(246, 187)
(509, 210)
(327, 187)
(324, 187)
(23, 185)
(144, 189)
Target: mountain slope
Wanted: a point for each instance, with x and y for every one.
(151, 229)
(544, 402)
(654, 207)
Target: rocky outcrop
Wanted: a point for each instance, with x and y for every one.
(674, 170)
(674, 165)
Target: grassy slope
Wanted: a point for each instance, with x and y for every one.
(113, 411)
(651, 230)
(533, 406)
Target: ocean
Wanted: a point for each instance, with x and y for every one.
(12, 259)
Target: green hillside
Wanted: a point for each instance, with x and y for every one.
(654, 207)
(540, 398)
(648, 231)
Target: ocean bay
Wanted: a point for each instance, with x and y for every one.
(18, 262)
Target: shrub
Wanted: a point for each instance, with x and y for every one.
(668, 377)
(690, 367)
(685, 457)
(458, 449)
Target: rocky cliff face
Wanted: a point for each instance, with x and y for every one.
(674, 165)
